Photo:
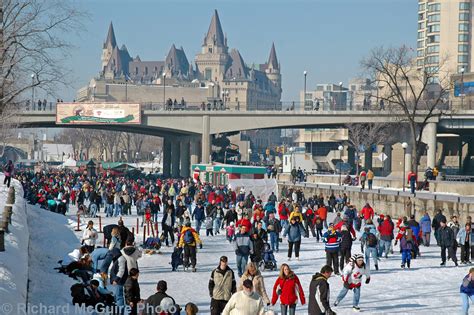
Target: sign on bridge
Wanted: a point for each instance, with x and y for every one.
(97, 113)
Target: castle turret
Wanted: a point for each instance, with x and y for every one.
(211, 63)
(108, 47)
(273, 68)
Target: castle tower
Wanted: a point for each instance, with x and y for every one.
(211, 63)
(273, 68)
(109, 45)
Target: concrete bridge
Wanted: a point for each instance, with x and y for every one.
(187, 131)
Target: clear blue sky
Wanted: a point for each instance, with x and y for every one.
(327, 38)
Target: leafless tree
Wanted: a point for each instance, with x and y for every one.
(9, 124)
(108, 141)
(363, 136)
(34, 47)
(137, 141)
(416, 94)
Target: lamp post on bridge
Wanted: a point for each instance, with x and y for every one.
(33, 90)
(340, 92)
(305, 73)
(164, 89)
(340, 148)
(462, 87)
(404, 146)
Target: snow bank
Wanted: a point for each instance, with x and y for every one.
(14, 260)
(51, 239)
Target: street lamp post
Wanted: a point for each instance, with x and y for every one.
(126, 88)
(305, 73)
(152, 160)
(340, 92)
(340, 148)
(164, 89)
(404, 146)
(33, 90)
(462, 87)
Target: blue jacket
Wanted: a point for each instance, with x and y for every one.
(198, 213)
(461, 237)
(332, 240)
(294, 232)
(467, 286)
(243, 245)
(372, 228)
(425, 224)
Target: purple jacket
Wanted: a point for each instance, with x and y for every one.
(405, 245)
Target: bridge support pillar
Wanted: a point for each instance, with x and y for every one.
(166, 157)
(206, 140)
(185, 170)
(368, 159)
(387, 164)
(175, 158)
(194, 151)
(351, 158)
(430, 139)
(460, 155)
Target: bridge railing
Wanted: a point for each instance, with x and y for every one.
(285, 106)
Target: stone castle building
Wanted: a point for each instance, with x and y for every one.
(218, 73)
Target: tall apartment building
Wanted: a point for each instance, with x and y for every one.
(445, 29)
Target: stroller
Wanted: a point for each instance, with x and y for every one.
(269, 261)
(176, 258)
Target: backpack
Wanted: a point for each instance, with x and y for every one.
(188, 237)
(371, 240)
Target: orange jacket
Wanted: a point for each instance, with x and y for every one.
(322, 212)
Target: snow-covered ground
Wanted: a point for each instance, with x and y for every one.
(426, 288)
(14, 260)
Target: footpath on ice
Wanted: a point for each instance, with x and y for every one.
(426, 288)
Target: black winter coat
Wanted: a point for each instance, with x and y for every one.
(436, 220)
(346, 240)
(319, 295)
(131, 290)
(446, 237)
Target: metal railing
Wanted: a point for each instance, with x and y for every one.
(284, 106)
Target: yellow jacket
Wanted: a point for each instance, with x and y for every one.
(197, 240)
(296, 214)
(370, 175)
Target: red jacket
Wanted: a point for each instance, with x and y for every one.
(410, 175)
(245, 222)
(282, 207)
(386, 228)
(367, 213)
(351, 229)
(288, 291)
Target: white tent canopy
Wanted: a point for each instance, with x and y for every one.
(69, 163)
(262, 188)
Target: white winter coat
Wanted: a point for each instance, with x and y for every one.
(353, 274)
(242, 304)
(89, 237)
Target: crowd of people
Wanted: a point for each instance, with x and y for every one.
(253, 227)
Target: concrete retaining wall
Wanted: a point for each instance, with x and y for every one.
(391, 202)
